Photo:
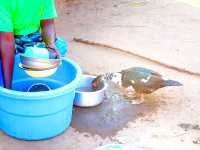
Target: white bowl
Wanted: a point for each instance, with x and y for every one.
(88, 98)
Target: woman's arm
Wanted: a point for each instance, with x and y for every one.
(49, 35)
(7, 51)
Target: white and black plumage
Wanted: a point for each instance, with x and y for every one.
(136, 80)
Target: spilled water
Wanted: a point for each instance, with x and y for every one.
(110, 116)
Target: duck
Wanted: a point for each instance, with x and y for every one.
(135, 82)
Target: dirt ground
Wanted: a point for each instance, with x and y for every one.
(169, 118)
(164, 30)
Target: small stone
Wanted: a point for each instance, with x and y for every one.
(196, 141)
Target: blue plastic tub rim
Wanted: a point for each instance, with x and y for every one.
(46, 94)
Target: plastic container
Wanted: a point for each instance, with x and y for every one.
(39, 115)
(62, 45)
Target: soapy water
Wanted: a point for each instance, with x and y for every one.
(36, 85)
(39, 87)
(89, 88)
(85, 89)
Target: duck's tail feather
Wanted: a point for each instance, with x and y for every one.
(172, 83)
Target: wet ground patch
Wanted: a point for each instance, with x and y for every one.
(111, 116)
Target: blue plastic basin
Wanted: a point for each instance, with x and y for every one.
(38, 115)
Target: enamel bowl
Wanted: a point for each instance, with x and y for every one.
(41, 74)
(39, 63)
(38, 67)
(38, 73)
(85, 96)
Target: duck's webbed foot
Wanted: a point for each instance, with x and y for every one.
(132, 96)
(139, 99)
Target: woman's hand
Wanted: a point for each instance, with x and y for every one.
(49, 37)
(54, 52)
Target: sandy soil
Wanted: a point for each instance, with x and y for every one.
(164, 30)
(172, 122)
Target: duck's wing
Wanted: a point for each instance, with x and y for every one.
(140, 73)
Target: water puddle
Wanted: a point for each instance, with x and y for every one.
(110, 116)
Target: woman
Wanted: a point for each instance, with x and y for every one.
(20, 21)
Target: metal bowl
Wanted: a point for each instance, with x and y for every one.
(38, 63)
(85, 96)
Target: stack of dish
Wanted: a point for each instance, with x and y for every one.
(38, 66)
